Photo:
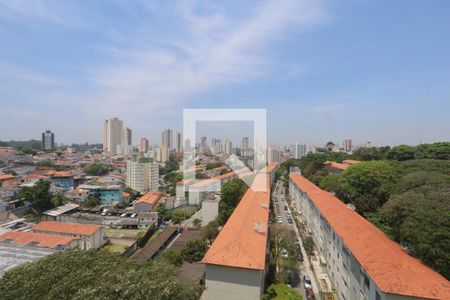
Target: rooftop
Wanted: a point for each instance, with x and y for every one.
(61, 227)
(242, 241)
(393, 270)
(150, 198)
(41, 240)
(61, 209)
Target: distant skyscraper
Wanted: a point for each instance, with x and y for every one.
(273, 154)
(244, 142)
(179, 142)
(143, 145)
(347, 145)
(299, 150)
(127, 138)
(203, 143)
(48, 140)
(227, 146)
(167, 138)
(112, 135)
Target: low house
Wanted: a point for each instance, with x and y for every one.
(147, 219)
(148, 202)
(108, 194)
(62, 179)
(17, 248)
(39, 240)
(91, 236)
(54, 213)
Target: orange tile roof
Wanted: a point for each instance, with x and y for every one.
(43, 240)
(337, 165)
(350, 161)
(388, 264)
(7, 177)
(269, 169)
(59, 174)
(61, 227)
(151, 198)
(242, 241)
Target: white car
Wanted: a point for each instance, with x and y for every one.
(279, 220)
(307, 282)
(284, 253)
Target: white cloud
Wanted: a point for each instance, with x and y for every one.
(214, 49)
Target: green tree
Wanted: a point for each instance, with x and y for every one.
(197, 222)
(94, 275)
(39, 195)
(92, 201)
(308, 243)
(173, 257)
(420, 220)
(402, 152)
(96, 169)
(211, 230)
(194, 251)
(231, 193)
(281, 292)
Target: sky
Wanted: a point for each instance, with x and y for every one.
(366, 70)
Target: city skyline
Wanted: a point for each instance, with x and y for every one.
(363, 76)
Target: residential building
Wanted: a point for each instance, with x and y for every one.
(299, 150)
(167, 138)
(244, 143)
(142, 175)
(143, 145)
(91, 236)
(235, 264)
(20, 247)
(361, 261)
(347, 145)
(27, 238)
(127, 137)
(7, 151)
(48, 140)
(203, 143)
(148, 202)
(63, 179)
(162, 153)
(112, 135)
(179, 142)
(227, 146)
(107, 194)
(273, 154)
(147, 219)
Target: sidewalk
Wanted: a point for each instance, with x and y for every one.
(307, 266)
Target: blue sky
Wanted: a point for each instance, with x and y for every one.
(325, 70)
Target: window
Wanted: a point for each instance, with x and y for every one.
(367, 282)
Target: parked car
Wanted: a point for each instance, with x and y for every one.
(285, 207)
(289, 220)
(279, 220)
(307, 282)
(310, 294)
(284, 253)
(293, 277)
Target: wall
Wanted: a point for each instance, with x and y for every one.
(230, 283)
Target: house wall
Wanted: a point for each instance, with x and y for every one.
(230, 283)
(348, 277)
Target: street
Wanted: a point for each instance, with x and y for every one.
(282, 209)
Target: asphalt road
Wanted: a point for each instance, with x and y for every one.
(280, 204)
